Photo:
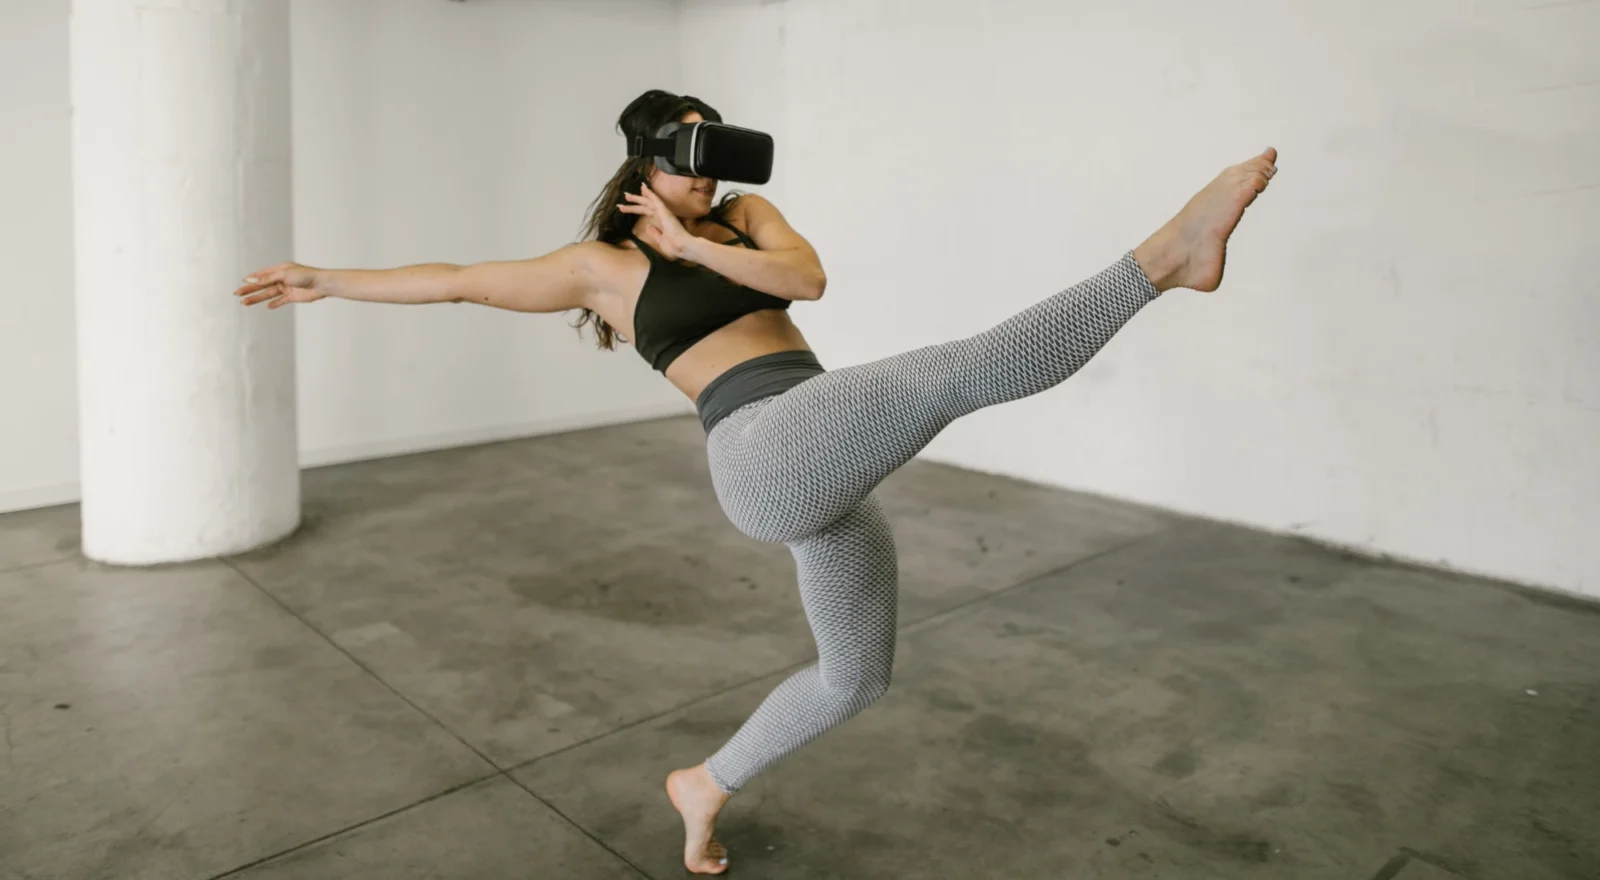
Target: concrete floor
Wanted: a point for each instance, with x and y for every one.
(481, 663)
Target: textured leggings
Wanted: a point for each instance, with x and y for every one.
(799, 468)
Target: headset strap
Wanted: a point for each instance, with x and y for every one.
(643, 146)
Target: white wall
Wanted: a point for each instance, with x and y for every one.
(38, 350)
(431, 131)
(424, 131)
(1402, 358)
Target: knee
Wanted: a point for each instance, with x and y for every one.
(861, 692)
(875, 688)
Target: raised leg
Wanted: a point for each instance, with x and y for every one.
(796, 464)
(793, 465)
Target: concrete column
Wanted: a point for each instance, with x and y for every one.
(180, 152)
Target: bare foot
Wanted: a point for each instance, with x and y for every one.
(698, 800)
(1190, 250)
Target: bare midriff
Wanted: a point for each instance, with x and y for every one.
(750, 336)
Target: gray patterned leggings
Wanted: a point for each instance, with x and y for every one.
(799, 468)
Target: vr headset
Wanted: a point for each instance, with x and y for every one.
(709, 149)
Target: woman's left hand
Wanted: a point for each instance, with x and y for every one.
(670, 238)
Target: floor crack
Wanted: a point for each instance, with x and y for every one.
(11, 761)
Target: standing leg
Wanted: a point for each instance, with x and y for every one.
(849, 586)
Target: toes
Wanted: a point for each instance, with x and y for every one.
(716, 860)
(713, 860)
(1266, 162)
(707, 867)
(1256, 178)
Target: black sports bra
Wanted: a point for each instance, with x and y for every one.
(682, 304)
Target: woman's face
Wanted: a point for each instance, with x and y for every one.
(684, 196)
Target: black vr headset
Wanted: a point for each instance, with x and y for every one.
(709, 149)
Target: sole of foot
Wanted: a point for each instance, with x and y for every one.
(1191, 250)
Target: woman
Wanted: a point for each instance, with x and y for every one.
(795, 451)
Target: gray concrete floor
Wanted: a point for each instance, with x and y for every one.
(482, 663)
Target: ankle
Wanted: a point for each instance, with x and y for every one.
(711, 782)
(699, 783)
(1160, 261)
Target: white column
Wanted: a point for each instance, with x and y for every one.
(180, 150)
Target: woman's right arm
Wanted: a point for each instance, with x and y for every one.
(555, 282)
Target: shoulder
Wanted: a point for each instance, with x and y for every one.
(746, 205)
(755, 215)
(608, 266)
(762, 221)
(592, 253)
(597, 256)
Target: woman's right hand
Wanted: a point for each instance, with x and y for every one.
(280, 285)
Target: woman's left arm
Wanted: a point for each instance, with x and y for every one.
(785, 266)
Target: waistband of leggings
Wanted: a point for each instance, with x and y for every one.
(751, 380)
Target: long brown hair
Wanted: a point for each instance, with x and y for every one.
(603, 221)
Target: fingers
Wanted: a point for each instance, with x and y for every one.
(271, 273)
(252, 288)
(269, 298)
(259, 281)
(263, 279)
(288, 295)
(264, 293)
(644, 202)
(277, 286)
(276, 295)
(641, 204)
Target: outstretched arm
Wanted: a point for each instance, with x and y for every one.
(555, 282)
